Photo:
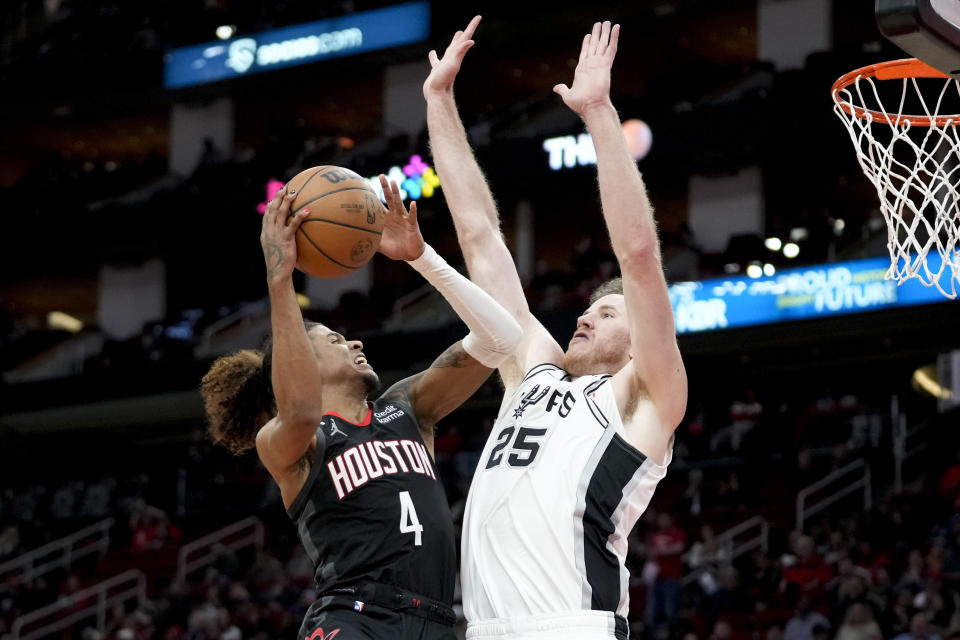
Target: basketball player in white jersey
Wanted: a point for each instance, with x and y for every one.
(583, 436)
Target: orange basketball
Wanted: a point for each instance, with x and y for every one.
(345, 221)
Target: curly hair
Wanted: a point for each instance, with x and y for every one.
(614, 285)
(238, 398)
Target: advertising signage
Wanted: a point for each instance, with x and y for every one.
(299, 44)
(795, 294)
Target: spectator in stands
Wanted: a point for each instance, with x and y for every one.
(801, 625)
(950, 480)
(665, 547)
(919, 629)
(858, 624)
(805, 568)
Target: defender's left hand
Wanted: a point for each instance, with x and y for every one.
(591, 79)
(401, 238)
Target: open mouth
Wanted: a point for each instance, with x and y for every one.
(360, 360)
(579, 335)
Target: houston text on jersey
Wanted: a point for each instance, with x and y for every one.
(367, 461)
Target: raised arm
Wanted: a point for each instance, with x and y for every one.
(656, 368)
(297, 384)
(464, 366)
(474, 212)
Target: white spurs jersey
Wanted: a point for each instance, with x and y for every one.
(555, 494)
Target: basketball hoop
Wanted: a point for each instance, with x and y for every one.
(913, 162)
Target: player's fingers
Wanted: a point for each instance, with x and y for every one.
(604, 37)
(463, 47)
(456, 37)
(433, 58)
(584, 47)
(468, 32)
(561, 90)
(283, 207)
(614, 39)
(413, 212)
(297, 219)
(387, 192)
(594, 39)
(271, 213)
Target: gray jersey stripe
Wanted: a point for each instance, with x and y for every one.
(581, 506)
(617, 516)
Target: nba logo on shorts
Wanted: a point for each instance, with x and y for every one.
(357, 605)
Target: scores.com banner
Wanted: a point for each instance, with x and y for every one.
(300, 44)
(795, 294)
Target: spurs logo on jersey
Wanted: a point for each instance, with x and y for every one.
(370, 460)
(555, 495)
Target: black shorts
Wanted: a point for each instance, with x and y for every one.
(331, 618)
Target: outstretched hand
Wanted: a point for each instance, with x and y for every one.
(591, 79)
(278, 235)
(401, 239)
(444, 70)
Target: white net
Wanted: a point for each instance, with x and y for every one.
(915, 169)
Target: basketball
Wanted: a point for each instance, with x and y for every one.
(345, 221)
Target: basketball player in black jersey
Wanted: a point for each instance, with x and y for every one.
(357, 477)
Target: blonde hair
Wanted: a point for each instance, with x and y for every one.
(614, 285)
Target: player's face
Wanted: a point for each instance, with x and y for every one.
(601, 343)
(341, 359)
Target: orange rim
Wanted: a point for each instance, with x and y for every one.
(891, 70)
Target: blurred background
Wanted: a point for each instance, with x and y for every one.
(815, 483)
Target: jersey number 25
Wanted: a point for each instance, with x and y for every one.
(525, 447)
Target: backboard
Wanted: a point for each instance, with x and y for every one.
(926, 29)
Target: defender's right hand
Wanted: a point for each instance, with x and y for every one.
(278, 236)
(444, 70)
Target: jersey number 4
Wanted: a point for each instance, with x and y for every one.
(409, 522)
(525, 447)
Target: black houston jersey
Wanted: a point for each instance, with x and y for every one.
(373, 507)
(557, 491)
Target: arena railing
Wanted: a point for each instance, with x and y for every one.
(842, 482)
(204, 551)
(753, 533)
(906, 446)
(60, 553)
(95, 600)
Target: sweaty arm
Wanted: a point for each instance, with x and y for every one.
(475, 214)
(656, 369)
(462, 368)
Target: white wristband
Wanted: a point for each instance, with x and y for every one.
(494, 333)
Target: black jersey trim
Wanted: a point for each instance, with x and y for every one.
(618, 465)
(304, 495)
(592, 404)
(540, 368)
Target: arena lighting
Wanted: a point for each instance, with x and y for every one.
(731, 267)
(923, 380)
(566, 152)
(226, 31)
(298, 44)
(839, 225)
(791, 250)
(769, 270)
(795, 293)
(774, 244)
(799, 233)
(64, 322)
(754, 271)
(416, 179)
